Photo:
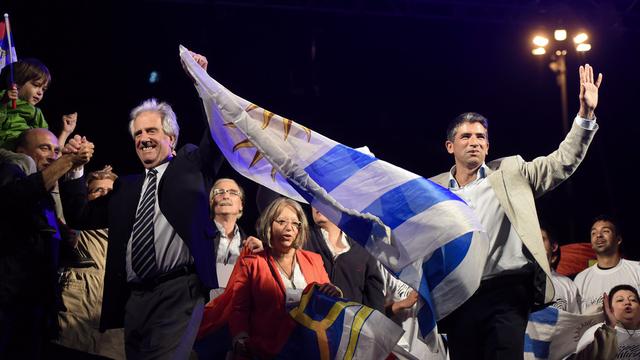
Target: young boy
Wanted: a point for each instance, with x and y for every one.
(31, 79)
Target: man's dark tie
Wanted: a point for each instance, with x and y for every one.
(143, 253)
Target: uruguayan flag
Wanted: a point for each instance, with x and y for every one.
(331, 328)
(554, 334)
(411, 225)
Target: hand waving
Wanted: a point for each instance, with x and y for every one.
(609, 317)
(588, 91)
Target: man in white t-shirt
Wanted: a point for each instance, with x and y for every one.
(567, 297)
(610, 270)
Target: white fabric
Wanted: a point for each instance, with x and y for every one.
(567, 296)
(374, 334)
(298, 279)
(411, 345)
(553, 334)
(593, 282)
(400, 217)
(628, 341)
(505, 247)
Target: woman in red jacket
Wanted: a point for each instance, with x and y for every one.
(263, 282)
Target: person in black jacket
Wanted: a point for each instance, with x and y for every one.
(30, 241)
(161, 256)
(349, 265)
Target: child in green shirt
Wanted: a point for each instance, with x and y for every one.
(31, 80)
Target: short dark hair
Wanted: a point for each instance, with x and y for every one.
(552, 241)
(610, 219)
(468, 117)
(25, 70)
(617, 288)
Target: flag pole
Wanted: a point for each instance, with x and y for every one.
(8, 27)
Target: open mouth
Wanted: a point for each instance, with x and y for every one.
(147, 146)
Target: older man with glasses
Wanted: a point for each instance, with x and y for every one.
(227, 200)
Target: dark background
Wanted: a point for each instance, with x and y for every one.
(387, 74)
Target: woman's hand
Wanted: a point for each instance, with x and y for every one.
(253, 245)
(609, 317)
(330, 289)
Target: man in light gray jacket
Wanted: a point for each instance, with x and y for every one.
(516, 277)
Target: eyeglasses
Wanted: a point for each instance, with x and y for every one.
(296, 224)
(217, 192)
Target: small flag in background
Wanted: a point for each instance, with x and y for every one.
(414, 227)
(6, 43)
(331, 328)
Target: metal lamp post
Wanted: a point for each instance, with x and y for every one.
(558, 62)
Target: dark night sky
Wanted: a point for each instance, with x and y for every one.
(389, 80)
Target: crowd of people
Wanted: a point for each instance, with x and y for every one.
(145, 266)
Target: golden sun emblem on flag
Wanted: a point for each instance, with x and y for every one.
(267, 117)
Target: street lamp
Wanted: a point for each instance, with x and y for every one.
(558, 64)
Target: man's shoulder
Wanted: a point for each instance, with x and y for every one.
(186, 150)
(633, 263)
(563, 280)
(441, 179)
(10, 170)
(501, 163)
(630, 264)
(188, 147)
(581, 277)
(124, 181)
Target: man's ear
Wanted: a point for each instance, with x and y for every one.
(449, 146)
(174, 143)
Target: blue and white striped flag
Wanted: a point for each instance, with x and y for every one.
(410, 224)
(553, 334)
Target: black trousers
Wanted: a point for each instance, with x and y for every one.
(162, 322)
(491, 324)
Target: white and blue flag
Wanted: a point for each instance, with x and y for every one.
(416, 228)
(553, 334)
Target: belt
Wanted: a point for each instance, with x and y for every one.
(162, 278)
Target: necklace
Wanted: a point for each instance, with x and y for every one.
(291, 276)
(629, 332)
